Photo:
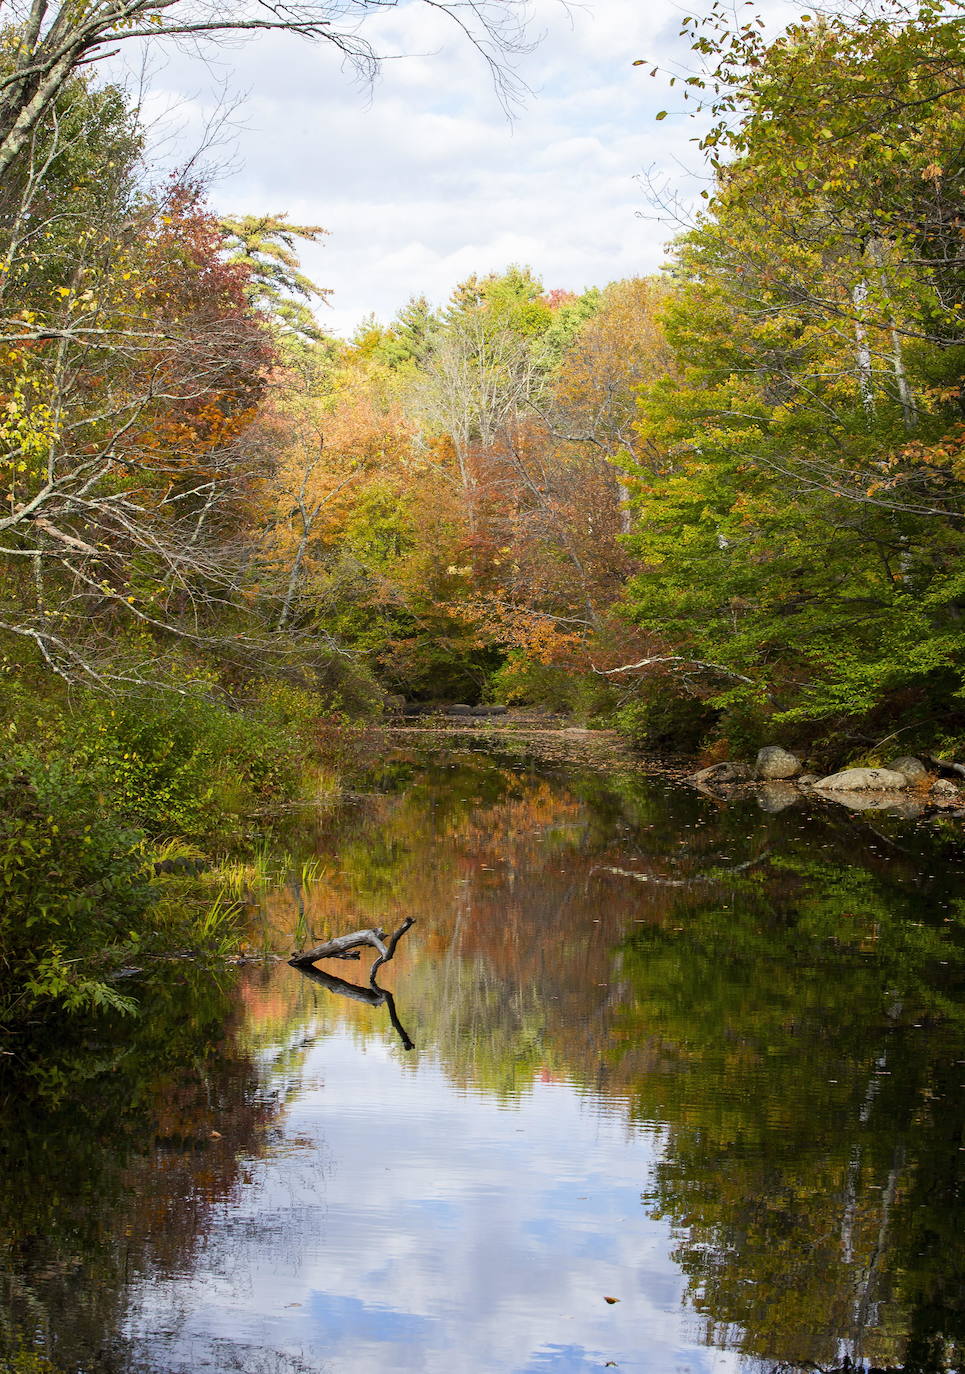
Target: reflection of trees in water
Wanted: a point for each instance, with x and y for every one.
(775, 996)
(808, 1042)
(116, 1146)
(790, 1024)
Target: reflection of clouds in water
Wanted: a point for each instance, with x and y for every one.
(445, 1232)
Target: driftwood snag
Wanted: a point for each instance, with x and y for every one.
(347, 947)
(343, 945)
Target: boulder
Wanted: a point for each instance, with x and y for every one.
(913, 769)
(775, 764)
(864, 780)
(807, 779)
(457, 708)
(489, 710)
(944, 788)
(721, 772)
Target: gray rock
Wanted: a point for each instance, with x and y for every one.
(944, 788)
(721, 772)
(489, 710)
(775, 764)
(913, 769)
(864, 780)
(807, 779)
(457, 708)
(777, 796)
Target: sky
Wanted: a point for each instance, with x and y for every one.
(422, 179)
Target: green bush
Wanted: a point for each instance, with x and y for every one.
(555, 687)
(188, 766)
(666, 720)
(73, 882)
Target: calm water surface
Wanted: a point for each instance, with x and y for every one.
(706, 1061)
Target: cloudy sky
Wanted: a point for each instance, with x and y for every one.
(422, 179)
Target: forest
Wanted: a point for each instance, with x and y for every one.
(712, 509)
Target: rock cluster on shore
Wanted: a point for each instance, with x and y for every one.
(779, 778)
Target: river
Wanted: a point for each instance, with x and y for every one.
(704, 1060)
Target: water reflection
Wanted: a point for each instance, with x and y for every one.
(706, 1060)
(372, 996)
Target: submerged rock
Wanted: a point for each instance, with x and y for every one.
(776, 764)
(864, 780)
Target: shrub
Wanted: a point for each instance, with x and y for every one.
(526, 681)
(185, 766)
(72, 882)
(666, 720)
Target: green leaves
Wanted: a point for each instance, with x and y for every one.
(794, 529)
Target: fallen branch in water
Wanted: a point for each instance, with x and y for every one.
(346, 947)
(343, 945)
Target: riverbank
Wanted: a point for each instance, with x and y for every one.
(551, 740)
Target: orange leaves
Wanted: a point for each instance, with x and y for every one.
(537, 634)
(948, 452)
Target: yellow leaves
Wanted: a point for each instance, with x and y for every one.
(28, 427)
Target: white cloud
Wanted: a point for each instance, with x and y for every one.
(422, 179)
